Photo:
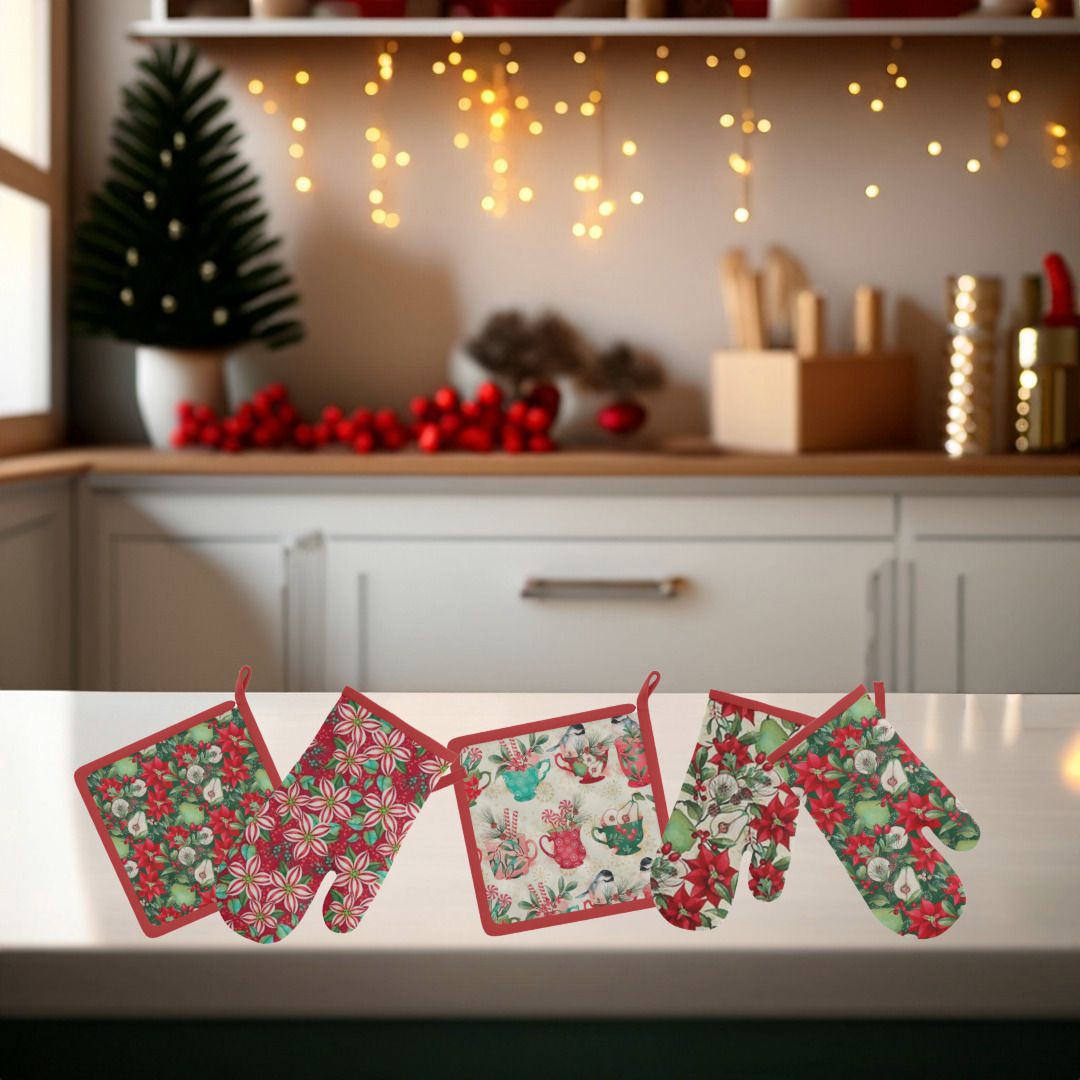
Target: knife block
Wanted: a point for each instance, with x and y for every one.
(774, 401)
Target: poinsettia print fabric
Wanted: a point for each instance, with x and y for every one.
(169, 810)
(872, 796)
(343, 809)
(561, 820)
(731, 800)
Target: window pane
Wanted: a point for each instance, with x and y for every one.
(25, 357)
(24, 79)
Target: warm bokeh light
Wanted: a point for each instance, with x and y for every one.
(629, 147)
(741, 214)
(256, 86)
(872, 191)
(298, 123)
(303, 184)
(933, 148)
(303, 78)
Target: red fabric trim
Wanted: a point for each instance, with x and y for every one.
(796, 718)
(813, 725)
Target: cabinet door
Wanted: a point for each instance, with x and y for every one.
(752, 615)
(995, 616)
(35, 589)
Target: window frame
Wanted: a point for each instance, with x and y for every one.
(49, 186)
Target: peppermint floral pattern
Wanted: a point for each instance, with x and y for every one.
(871, 796)
(730, 801)
(343, 809)
(556, 824)
(172, 809)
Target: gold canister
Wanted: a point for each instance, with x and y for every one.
(1048, 388)
(974, 304)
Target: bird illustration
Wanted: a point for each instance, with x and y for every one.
(602, 890)
(573, 741)
(645, 863)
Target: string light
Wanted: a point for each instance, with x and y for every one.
(303, 184)
(383, 153)
(933, 148)
(296, 150)
(457, 37)
(854, 88)
(270, 107)
(741, 214)
(439, 67)
(525, 194)
(872, 191)
(712, 60)
(256, 86)
(662, 77)
(877, 105)
(373, 134)
(637, 197)
(298, 123)
(302, 78)
(727, 120)
(536, 128)
(580, 57)
(973, 165)
(461, 140)
(629, 147)
(561, 108)
(1014, 97)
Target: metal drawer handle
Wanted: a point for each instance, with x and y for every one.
(599, 589)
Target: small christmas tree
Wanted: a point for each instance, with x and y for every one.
(172, 253)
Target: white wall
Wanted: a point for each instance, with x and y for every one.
(383, 308)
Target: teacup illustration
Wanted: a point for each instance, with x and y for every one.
(630, 748)
(621, 828)
(511, 857)
(566, 847)
(522, 783)
(589, 766)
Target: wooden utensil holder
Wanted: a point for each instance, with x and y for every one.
(774, 401)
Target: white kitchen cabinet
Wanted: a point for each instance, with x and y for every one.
(179, 601)
(35, 586)
(990, 590)
(748, 614)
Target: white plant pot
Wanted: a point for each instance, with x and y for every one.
(165, 377)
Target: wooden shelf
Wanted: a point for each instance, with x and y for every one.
(142, 461)
(610, 28)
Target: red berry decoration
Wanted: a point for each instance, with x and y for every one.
(446, 398)
(393, 438)
(184, 409)
(545, 396)
(344, 431)
(322, 432)
(364, 442)
(515, 414)
(362, 418)
(540, 444)
(489, 394)
(513, 441)
(450, 424)
(430, 440)
(303, 436)
(621, 418)
(538, 419)
(331, 414)
(385, 420)
(421, 407)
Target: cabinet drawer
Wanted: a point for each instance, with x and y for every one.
(757, 614)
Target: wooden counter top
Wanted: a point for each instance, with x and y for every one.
(143, 461)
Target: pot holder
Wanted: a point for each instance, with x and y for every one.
(168, 808)
(344, 809)
(560, 817)
(871, 796)
(731, 799)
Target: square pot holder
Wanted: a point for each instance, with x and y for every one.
(343, 809)
(168, 808)
(560, 817)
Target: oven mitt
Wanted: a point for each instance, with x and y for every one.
(871, 797)
(344, 809)
(730, 800)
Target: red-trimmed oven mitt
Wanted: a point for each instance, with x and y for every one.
(344, 808)
(871, 796)
(169, 807)
(730, 801)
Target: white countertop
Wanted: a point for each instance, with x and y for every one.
(70, 945)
